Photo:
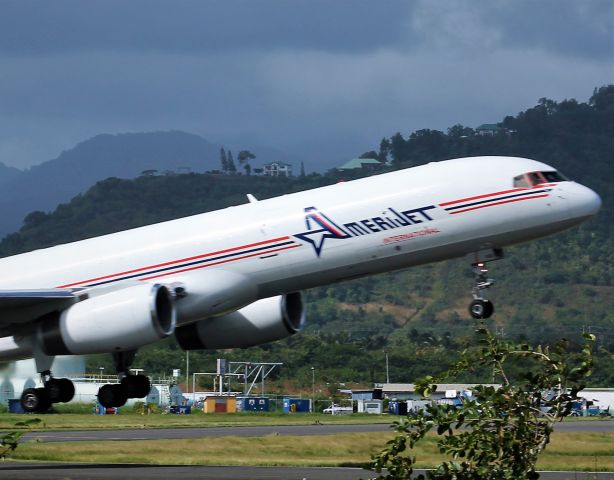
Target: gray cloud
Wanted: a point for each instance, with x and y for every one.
(325, 80)
(41, 27)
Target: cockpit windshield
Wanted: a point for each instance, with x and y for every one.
(555, 177)
(533, 179)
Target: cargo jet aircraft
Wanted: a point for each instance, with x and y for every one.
(232, 278)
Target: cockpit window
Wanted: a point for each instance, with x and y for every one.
(535, 178)
(554, 177)
(532, 179)
(521, 182)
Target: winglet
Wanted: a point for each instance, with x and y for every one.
(251, 198)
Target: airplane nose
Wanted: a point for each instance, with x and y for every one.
(584, 202)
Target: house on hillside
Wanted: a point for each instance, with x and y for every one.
(368, 164)
(489, 129)
(277, 169)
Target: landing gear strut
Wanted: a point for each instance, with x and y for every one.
(129, 386)
(55, 390)
(480, 307)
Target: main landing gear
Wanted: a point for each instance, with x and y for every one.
(55, 390)
(129, 386)
(481, 308)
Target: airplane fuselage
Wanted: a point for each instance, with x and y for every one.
(298, 241)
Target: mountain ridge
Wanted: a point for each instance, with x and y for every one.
(123, 155)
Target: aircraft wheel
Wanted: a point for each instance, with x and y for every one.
(136, 386)
(60, 390)
(67, 389)
(35, 400)
(112, 396)
(480, 309)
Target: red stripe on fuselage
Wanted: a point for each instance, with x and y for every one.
(173, 262)
(486, 195)
(266, 252)
(498, 203)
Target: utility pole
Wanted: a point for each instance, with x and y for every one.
(313, 389)
(187, 371)
(387, 371)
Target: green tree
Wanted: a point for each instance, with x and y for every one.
(603, 98)
(245, 156)
(370, 154)
(223, 160)
(459, 131)
(232, 168)
(397, 149)
(499, 434)
(384, 150)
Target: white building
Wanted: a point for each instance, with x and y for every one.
(375, 407)
(277, 169)
(603, 398)
(21, 375)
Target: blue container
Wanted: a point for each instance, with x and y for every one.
(397, 408)
(15, 406)
(296, 405)
(255, 404)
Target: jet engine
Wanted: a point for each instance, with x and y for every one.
(260, 322)
(117, 321)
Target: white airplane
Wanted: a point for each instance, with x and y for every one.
(231, 278)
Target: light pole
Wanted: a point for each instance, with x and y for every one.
(313, 389)
(387, 371)
(187, 371)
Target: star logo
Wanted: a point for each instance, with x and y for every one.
(319, 228)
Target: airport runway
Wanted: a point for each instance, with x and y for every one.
(319, 429)
(182, 433)
(39, 471)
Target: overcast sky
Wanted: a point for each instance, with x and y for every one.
(324, 80)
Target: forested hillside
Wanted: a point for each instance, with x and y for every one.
(559, 286)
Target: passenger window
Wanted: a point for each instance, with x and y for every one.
(521, 182)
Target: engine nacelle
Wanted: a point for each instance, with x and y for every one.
(117, 321)
(260, 322)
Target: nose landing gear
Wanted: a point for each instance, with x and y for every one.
(480, 307)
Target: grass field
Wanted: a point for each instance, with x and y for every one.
(580, 452)
(83, 421)
(81, 418)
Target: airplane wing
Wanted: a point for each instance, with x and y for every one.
(21, 298)
(20, 307)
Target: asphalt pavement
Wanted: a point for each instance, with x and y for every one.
(39, 471)
(63, 471)
(258, 431)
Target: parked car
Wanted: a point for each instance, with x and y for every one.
(335, 409)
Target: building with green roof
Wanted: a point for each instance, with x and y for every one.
(370, 164)
(489, 129)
